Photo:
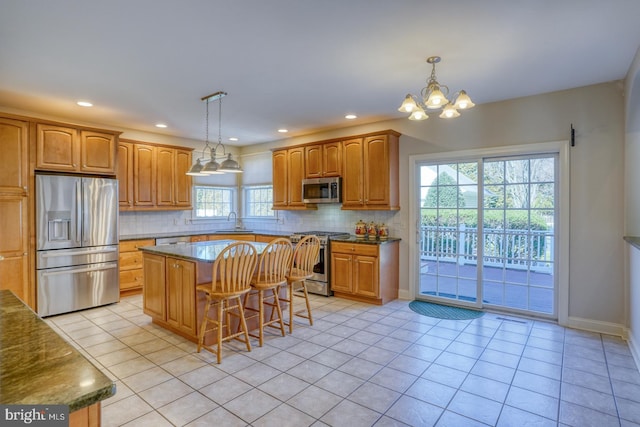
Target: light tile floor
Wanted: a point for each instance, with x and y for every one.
(362, 365)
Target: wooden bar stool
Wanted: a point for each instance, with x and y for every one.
(305, 256)
(231, 278)
(273, 266)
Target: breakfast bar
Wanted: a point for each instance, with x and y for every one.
(171, 274)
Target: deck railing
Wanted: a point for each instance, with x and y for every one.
(510, 248)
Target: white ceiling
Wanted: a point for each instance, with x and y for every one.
(298, 64)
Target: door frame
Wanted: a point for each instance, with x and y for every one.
(562, 207)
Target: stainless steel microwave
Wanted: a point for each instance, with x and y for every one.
(322, 190)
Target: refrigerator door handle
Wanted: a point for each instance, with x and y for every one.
(78, 270)
(60, 253)
(79, 235)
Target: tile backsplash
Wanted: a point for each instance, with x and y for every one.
(326, 218)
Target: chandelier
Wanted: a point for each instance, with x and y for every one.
(211, 166)
(435, 96)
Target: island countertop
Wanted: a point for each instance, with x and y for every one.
(37, 366)
(198, 251)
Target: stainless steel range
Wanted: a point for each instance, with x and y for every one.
(320, 282)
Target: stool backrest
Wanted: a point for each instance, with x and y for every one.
(305, 254)
(234, 268)
(274, 261)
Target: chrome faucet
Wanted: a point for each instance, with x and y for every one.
(235, 218)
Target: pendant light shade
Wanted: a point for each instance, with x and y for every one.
(212, 167)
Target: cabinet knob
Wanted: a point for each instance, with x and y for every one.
(84, 166)
(25, 188)
(74, 165)
(1, 257)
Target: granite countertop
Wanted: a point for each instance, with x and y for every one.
(198, 251)
(200, 233)
(353, 239)
(37, 366)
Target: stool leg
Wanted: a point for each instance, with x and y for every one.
(220, 321)
(277, 304)
(290, 290)
(203, 327)
(243, 324)
(306, 299)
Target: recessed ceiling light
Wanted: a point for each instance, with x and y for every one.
(84, 104)
(283, 130)
(161, 125)
(350, 116)
(233, 138)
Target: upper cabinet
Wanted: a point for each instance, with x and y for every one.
(287, 181)
(368, 165)
(371, 176)
(323, 160)
(153, 177)
(14, 140)
(72, 149)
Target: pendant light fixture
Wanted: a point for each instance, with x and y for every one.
(212, 167)
(435, 97)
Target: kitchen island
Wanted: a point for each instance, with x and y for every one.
(38, 367)
(171, 274)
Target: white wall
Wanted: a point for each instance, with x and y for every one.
(632, 208)
(596, 270)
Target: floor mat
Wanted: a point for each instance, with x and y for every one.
(444, 311)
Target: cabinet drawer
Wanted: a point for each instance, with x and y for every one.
(130, 260)
(199, 238)
(133, 245)
(131, 279)
(355, 248)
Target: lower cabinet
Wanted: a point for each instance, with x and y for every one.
(181, 311)
(169, 292)
(131, 271)
(366, 272)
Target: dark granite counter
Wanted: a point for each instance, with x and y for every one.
(198, 251)
(200, 233)
(37, 366)
(633, 241)
(352, 239)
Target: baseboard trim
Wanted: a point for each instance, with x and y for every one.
(635, 349)
(596, 326)
(404, 295)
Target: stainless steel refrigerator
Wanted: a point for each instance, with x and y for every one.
(76, 243)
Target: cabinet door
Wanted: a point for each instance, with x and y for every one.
(295, 176)
(280, 182)
(15, 163)
(332, 159)
(341, 272)
(14, 261)
(365, 276)
(352, 166)
(376, 171)
(313, 161)
(164, 176)
(144, 175)
(57, 148)
(154, 293)
(97, 152)
(181, 281)
(182, 182)
(125, 174)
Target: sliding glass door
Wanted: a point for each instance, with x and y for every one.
(487, 233)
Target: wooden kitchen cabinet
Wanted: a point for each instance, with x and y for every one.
(154, 289)
(71, 149)
(131, 262)
(153, 177)
(181, 294)
(14, 215)
(365, 272)
(288, 173)
(370, 172)
(125, 175)
(323, 160)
